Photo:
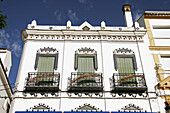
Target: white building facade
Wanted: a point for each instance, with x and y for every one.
(86, 68)
(157, 24)
(5, 88)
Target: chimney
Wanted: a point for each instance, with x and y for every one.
(128, 16)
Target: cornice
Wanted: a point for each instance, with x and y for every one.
(82, 35)
(157, 15)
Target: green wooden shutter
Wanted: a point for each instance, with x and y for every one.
(46, 64)
(125, 68)
(86, 64)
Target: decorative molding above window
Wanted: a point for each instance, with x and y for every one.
(125, 53)
(86, 107)
(85, 52)
(132, 108)
(47, 52)
(40, 107)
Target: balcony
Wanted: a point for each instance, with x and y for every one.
(128, 83)
(85, 82)
(42, 82)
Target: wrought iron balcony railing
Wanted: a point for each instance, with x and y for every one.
(85, 82)
(42, 82)
(128, 83)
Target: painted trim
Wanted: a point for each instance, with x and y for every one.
(160, 48)
(156, 17)
(150, 35)
(165, 84)
(156, 59)
(158, 70)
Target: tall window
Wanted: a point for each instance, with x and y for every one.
(45, 64)
(125, 64)
(86, 60)
(86, 64)
(46, 60)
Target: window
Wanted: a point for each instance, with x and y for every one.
(125, 64)
(46, 60)
(46, 63)
(85, 60)
(86, 64)
(126, 68)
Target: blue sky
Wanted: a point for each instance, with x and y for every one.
(58, 12)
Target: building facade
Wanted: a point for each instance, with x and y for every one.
(86, 68)
(5, 88)
(157, 24)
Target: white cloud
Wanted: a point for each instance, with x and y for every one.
(72, 15)
(11, 41)
(86, 3)
(16, 48)
(82, 1)
(165, 2)
(137, 14)
(44, 1)
(58, 15)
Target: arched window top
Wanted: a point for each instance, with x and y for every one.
(85, 50)
(123, 51)
(47, 50)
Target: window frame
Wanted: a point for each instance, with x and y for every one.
(85, 55)
(46, 55)
(115, 56)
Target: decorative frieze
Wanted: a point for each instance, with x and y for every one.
(86, 107)
(85, 51)
(132, 108)
(123, 51)
(86, 37)
(40, 107)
